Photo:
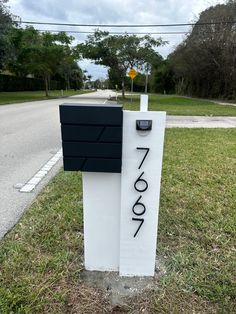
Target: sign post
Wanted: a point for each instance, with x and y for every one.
(132, 74)
(132, 89)
(120, 155)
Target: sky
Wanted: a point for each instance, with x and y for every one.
(113, 12)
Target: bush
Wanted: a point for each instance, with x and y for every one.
(10, 83)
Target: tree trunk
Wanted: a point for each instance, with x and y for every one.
(123, 87)
(46, 85)
(68, 83)
(49, 83)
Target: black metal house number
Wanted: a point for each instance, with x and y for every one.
(140, 185)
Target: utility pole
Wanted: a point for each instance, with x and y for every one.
(146, 80)
(132, 89)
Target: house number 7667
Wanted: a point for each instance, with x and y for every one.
(140, 185)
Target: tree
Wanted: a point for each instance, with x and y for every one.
(84, 78)
(6, 24)
(114, 76)
(71, 72)
(97, 84)
(205, 63)
(41, 54)
(120, 52)
(89, 77)
(76, 76)
(162, 78)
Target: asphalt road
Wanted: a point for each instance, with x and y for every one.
(30, 136)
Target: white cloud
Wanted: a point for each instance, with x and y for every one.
(113, 12)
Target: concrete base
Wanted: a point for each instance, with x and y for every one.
(119, 288)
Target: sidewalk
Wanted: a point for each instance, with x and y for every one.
(200, 122)
(224, 103)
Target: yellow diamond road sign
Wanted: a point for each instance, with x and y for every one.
(132, 73)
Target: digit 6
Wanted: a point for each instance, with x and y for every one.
(137, 203)
(139, 180)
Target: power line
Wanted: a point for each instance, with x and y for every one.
(113, 33)
(127, 25)
(128, 33)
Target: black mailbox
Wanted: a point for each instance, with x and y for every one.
(91, 137)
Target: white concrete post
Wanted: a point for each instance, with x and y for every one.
(140, 190)
(101, 203)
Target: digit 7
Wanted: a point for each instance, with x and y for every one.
(141, 222)
(145, 155)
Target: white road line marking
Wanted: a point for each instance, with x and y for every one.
(18, 186)
(34, 181)
(27, 188)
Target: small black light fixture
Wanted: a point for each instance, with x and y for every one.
(143, 125)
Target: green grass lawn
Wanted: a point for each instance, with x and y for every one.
(16, 97)
(176, 105)
(41, 258)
